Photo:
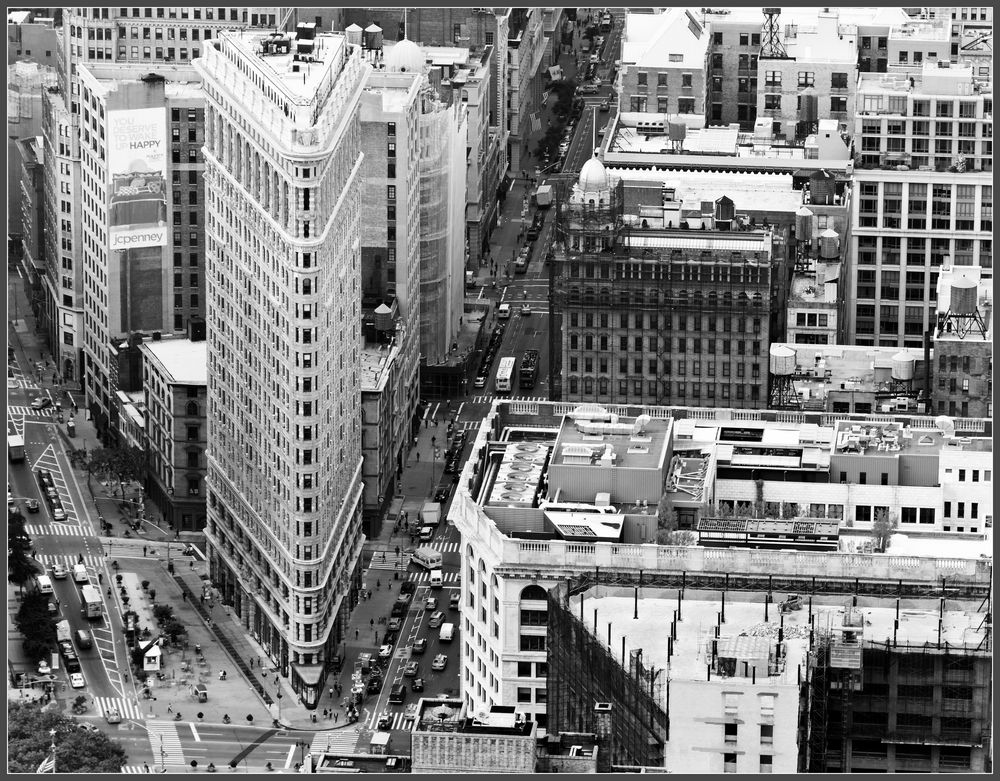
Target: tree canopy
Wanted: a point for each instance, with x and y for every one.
(20, 566)
(77, 751)
(882, 528)
(38, 627)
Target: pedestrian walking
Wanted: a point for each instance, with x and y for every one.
(336, 717)
(418, 455)
(170, 709)
(356, 634)
(143, 550)
(312, 717)
(324, 713)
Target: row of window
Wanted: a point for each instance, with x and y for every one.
(656, 367)
(658, 389)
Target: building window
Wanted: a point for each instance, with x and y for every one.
(729, 762)
(730, 732)
(765, 763)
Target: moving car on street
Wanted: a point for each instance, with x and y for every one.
(76, 680)
(437, 618)
(440, 662)
(419, 646)
(411, 670)
(31, 505)
(42, 402)
(430, 603)
(417, 685)
(59, 571)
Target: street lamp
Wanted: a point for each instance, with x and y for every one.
(437, 452)
(163, 757)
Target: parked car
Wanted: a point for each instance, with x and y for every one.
(454, 601)
(31, 505)
(442, 494)
(395, 624)
(458, 441)
(374, 685)
(440, 662)
(43, 668)
(407, 587)
(58, 513)
(77, 682)
(385, 652)
(45, 478)
(411, 669)
(419, 646)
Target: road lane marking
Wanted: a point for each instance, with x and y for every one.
(194, 732)
(291, 756)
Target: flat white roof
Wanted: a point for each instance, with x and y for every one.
(715, 242)
(672, 39)
(184, 362)
(918, 621)
(744, 189)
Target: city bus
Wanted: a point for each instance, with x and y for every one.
(505, 374)
(529, 369)
(92, 605)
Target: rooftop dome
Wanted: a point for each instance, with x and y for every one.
(404, 57)
(593, 176)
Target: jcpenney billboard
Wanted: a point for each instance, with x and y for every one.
(137, 157)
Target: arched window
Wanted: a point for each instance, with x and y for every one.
(192, 408)
(534, 591)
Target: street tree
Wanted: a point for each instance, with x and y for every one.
(20, 566)
(34, 622)
(29, 743)
(123, 463)
(883, 526)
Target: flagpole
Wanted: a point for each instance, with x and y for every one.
(52, 732)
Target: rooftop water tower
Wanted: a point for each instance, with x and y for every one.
(781, 367)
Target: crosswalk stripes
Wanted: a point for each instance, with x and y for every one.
(446, 547)
(336, 741)
(399, 721)
(68, 560)
(163, 738)
(28, 412)
(389, 564)
(448, 577)
(127, 708)
(488, 399)
(58, 530)
(134, 769)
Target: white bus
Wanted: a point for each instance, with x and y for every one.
(505, 374)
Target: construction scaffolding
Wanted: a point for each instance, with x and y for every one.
(879, 706)
(645, 295)
(584, 671)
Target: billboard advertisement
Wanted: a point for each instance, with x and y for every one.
(137, 160)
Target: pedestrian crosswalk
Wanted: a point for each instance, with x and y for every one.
(128, 709)
(136, 769)
(446, 547)
(68, 560)
(490, 399)
(27, 412)
(59, 530)
(391, 564)
(336, 741)
(421, 576)
(165, 742)
(399, 721)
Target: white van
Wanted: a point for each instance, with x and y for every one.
(427, 557)
(44, 584)
(504, 312)
(437, 578)
(80, 574)
(447, 633)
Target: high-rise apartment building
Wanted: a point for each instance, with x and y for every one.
(102, 37)
(283, 156)
(390, 287)
(656, 315)
(923, 197)
(141, 260)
